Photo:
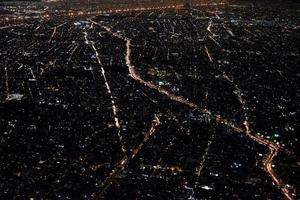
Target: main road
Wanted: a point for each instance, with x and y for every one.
(244, 129)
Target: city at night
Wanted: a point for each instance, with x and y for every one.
(149, 99)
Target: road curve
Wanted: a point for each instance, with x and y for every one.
(273, 147)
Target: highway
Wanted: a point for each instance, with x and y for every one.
(272, 147)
